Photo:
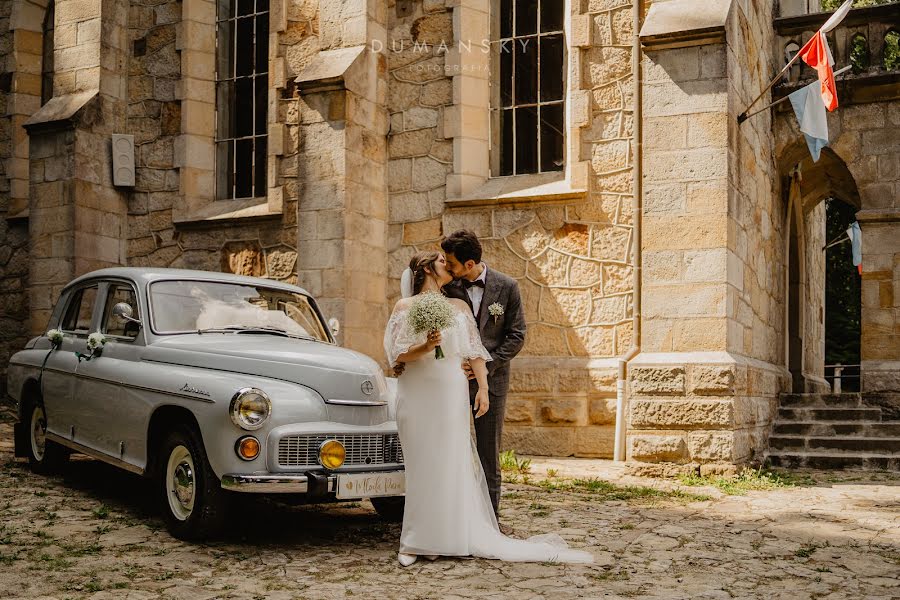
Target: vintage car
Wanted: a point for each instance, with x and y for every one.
(211, 384)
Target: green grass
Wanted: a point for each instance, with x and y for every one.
(606, 491)
(510, 463)
(745, 481)
(102, 512)
(806, 551)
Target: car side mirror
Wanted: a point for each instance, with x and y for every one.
(124, 311)
(334, 325)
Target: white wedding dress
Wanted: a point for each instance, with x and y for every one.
(447, 510)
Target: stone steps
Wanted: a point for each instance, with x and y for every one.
(829, 414)
(836, 431)
(839, 428)
(888, 446)
(835, 460)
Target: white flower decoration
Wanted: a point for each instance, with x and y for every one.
(55, 336)
(496, 310)
(96, 341)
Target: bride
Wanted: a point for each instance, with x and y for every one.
(447, 508)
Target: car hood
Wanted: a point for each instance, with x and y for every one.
(335, 373)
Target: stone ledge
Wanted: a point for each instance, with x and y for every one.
(515, 189)
(684, 23)
(221, 211)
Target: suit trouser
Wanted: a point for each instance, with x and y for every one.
(488, 431)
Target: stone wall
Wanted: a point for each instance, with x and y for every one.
(866, 153)
(572, 259)
(703, 390)
(261, 246)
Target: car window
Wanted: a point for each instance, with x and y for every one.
(80, 309)
(113, 325)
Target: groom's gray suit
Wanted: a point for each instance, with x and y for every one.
(503, 337)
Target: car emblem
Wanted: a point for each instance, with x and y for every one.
(367, 387)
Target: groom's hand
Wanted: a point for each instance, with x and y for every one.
(467, 368)
(482, 404)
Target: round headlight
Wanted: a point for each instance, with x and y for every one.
(332, 454)
(250, 408)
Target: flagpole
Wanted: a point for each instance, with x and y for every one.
(780, 100)
(832, 22)
(743, 116)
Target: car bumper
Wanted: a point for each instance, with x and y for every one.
(310, 483)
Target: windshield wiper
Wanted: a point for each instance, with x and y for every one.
(254, 329)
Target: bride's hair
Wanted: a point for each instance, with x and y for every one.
(418, 263)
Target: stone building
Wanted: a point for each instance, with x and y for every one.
(662, 248)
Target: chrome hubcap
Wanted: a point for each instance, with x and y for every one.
(180, 483)
(38, 432)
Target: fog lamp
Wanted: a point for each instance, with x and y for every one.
(332, 454)
(247, 447)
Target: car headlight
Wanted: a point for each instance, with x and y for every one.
(332, 454)
(250, 407)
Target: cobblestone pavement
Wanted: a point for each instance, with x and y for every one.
(93, 533)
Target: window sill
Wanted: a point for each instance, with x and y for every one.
(219, 211)
(542, 187)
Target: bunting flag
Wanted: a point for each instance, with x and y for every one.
(811, 115)
(855, 235)
(817, 55)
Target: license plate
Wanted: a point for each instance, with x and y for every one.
(370, 485)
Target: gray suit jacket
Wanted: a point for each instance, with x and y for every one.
(504, 336)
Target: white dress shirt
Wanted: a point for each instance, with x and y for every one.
(476, 292)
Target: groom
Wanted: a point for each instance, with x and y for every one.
(495, 301)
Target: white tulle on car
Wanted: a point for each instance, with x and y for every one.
(448, 510)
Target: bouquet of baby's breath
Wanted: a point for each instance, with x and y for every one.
(430, 312)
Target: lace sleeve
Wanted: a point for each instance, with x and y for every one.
(398, 338)
(470, 340)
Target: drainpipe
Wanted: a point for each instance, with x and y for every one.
(619, 443)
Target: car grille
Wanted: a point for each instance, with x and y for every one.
(362, 449)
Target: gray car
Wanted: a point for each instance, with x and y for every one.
(212, 385)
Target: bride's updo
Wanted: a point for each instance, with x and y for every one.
(418, 263)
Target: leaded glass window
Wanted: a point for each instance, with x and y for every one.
(528, 87)
(47, 53)
(242, 66)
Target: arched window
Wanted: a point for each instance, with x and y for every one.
(47, 54)
(790, 50)
(891, 51)
(528, 116)
(242, 65)
(859, 53)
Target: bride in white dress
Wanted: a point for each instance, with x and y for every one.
(447, 508)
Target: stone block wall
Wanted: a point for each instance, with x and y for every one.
(868, 150)
(572, 258)
(260, 246)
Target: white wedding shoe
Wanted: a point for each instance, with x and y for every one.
(406, 559)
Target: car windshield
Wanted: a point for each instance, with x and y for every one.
(186, 306)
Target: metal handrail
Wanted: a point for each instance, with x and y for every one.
(839, 374)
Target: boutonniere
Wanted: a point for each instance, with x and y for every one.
(496, 310)
(95, 343)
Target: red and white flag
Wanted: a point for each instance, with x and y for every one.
(817, 55)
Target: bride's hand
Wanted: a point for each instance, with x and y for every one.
(482, 404)
(433, 340)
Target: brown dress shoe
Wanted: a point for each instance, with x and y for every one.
(508, 531)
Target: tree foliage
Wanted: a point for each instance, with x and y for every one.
(842, 290)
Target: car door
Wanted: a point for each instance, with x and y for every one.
(115, 414)
(58, 375)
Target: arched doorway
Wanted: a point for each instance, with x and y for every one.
(810, 188)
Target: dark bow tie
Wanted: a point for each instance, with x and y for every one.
(468, 284)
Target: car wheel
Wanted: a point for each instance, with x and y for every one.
(389, 508)
(194, 503)
(44, 456)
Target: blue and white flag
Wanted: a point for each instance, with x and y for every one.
(855, 236)
(810, 111)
